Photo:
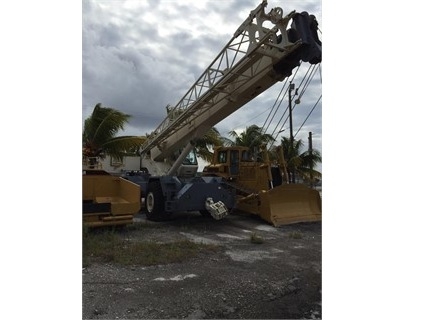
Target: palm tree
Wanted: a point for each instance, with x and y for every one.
(211, 139)
(99, 135)
(301, 162)
(253, 137)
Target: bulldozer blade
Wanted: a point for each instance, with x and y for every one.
(290, 203)
(285, 204)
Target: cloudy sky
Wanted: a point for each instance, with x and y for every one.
(377, 92)
(139, 56)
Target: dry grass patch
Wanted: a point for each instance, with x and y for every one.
(295, 235)
(255, 238)
(110, 246)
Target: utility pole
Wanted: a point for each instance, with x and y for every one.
(291, 87)
(310, 151)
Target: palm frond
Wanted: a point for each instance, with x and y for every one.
(100, 130)
(122, 146)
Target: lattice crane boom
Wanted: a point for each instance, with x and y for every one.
(253, 60)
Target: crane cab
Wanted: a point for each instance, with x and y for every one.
(189, 166)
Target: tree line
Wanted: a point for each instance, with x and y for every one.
(100, 139)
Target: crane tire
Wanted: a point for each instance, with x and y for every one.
(154, 202)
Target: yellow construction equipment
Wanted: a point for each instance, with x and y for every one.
(108, 200)
(264, 50)
(263, 189)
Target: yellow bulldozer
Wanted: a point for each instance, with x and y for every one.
(264, 188)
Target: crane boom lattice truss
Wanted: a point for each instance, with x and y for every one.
(254, 59)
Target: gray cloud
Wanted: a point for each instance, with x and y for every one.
(139, 56)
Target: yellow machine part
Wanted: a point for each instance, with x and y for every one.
(122, 199)
(285, 204)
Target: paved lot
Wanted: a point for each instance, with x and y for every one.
(277, 279)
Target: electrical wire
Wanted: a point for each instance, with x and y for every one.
(309, 114)
(307, 82)
(304, 84)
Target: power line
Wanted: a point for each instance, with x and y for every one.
(312, 109)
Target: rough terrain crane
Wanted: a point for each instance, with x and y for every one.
(253, 60)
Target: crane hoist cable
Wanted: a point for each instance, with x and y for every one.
(306, 83)
(271, 108)
(309, 114)
(287, 88)
(302, 81)
(276, 110)
(308, 77)
(282, 126)
(275, 136)
(309, 74)
(279, 95)
(279, 121)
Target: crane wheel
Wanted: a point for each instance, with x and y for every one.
(154, 202)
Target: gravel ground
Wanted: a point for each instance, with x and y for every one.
(277, 279)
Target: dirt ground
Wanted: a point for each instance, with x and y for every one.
(280, 278)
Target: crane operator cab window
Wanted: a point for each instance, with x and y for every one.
(191, 158)
(189, 167)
